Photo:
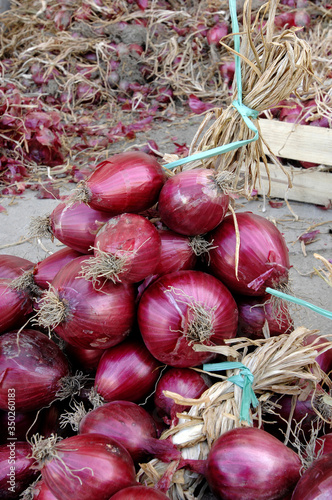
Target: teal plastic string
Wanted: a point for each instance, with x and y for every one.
(243, 379)
(304, 303)
(244, 111)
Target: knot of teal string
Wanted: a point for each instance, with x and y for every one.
(243, 379)
(244, 110)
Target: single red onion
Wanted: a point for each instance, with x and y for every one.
(127, 372)
(316, 481)
(261, 314)
(132, 426)
(126, 249)
(139, 492)
(126, 182)
(31, 367)
(45, 270)
(250, 463)
(193, 202)
(177, 253)
(74, 225)
(11, 266)
(188, 383)
(324, 444)
(83, 467)
(15, 305)
(324, 359)
(16, 472)
(182, 309)
(83, 315)
(263, 254)
(84, 359)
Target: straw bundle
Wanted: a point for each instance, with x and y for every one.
(279, 365)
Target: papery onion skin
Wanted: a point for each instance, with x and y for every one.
(139, 493)
(188, 383)
(191, 203)
(76, 225)
(103, 466)
(263, 254)
(41, 491)
(325, 359)
(132, 426)
(15, 468)
(12, 266)
(95, 319)
(316, 481)
(133, 238)
(255, 311)
(248, 463)
(165, 319)
(45, 271)
(127, 371)
(33, 366)
(126, 182)
(15, 306)
(176, 253)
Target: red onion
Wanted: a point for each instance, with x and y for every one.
(217, 32)
(259, 314)
(45, 270)
(127, 182)
(138, 492)
(15, 305)
(182, 309)
(74, 225)
(126, 249)
(324, 444)
(31, 366)
(127, 372)
(316, 481)
(196, 105)
(132, 426)
(84, 467)
(188, 383)
(38, 491)
(193, 202)
(250, 463)
(15, 468)
(84, 316)
(84, 359)
(263, 254)
(177, 253)
(325, 359)
(11, 266)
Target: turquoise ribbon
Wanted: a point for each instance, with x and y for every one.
(243, 379)
(300, 302)
(244, 111)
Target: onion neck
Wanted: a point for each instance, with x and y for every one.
(95, 398)
(41, 227)
(200, 246)
(43, 450)
(224, 181)
(104, 266)
(200, 325)
(73, 418)
(71, 385)
(82, 194)
(52, 310)
(26, 283)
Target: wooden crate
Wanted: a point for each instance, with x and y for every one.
(298, 142)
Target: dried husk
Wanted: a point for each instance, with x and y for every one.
(280, 365)
(273, 67)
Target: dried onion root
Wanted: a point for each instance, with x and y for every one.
(279, 365)
(273, 67)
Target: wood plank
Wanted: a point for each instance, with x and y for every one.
(298, 142)
(309, 185)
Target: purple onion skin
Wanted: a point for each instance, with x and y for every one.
(15, 306)
(325, 359)
(15, 469)
(23, 422)
(102, 464)
(163, 318)
(76, 225)
(248, 463)
(127, 371)
(42, 492)
(126, 182)
(263, 254)
(191, 203)
(84, 359)
(188, 383)
(139, 492)
(96, 319)
(12, 266)
(124, 421)
(316, 481)
(176, 253)
(45, 271)
(324, 444)
(33, 366)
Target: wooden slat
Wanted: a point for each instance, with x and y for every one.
(298, 142)
(309, 185)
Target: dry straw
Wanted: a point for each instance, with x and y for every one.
(273, 67)
(279, 365)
